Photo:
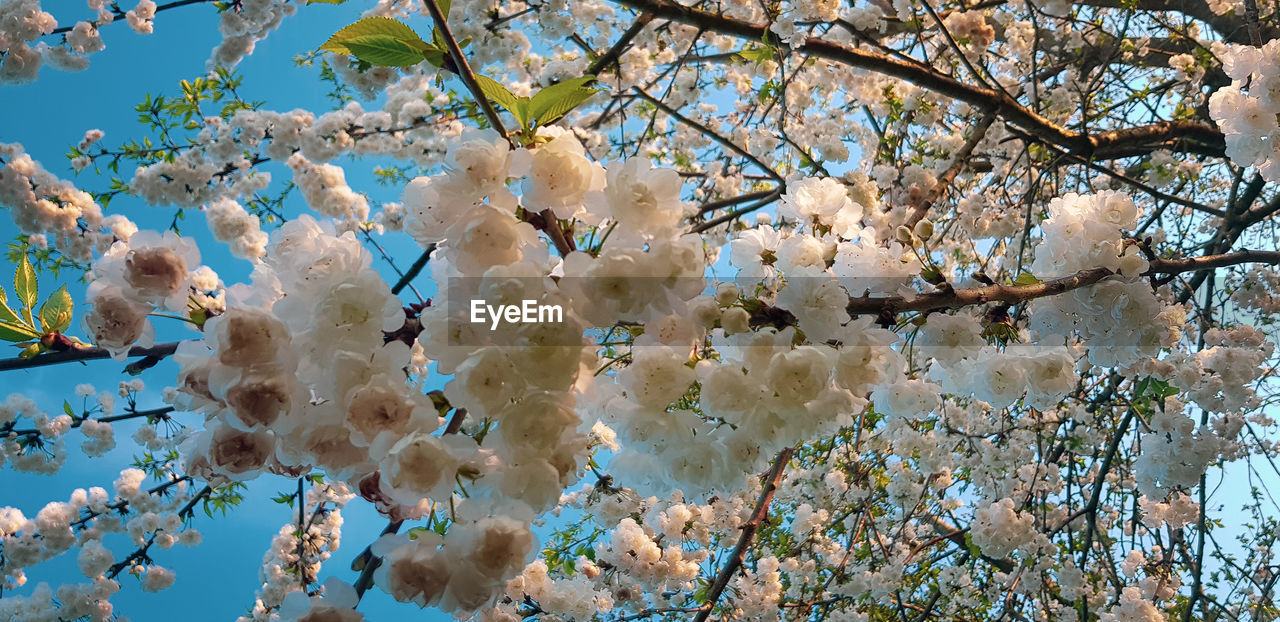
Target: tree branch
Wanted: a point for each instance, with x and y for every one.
(769, 197)
(749, 529)
(1185, 136)
(75, 423)
(611, 56)
(709, 133)
(159, 350)
(464, 70)
(414, 269)
(948, 298)
(961, 160)
(140, 555)
(120, 15)
(711, 206)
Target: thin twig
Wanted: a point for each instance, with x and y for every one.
(414, 269)
(711, 206)
(119, 15)
(611, 56)
(738, 213)
(709, 133)
(77, 422)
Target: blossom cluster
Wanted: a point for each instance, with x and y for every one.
(83, 522)
(1120, 318)
(24, 22)
(44, 206)
(296, 554)
(1246, 109)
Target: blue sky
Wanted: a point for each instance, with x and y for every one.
(216, 580)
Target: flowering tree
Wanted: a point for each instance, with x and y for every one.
(994, 322)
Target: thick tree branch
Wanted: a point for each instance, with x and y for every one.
(1192, 264)
(1230, 26)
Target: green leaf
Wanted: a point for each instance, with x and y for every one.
(974, 551)
(1141, 388)
(16, 332)
(500, 95)
(372, 26)
(1026, 278)
(55, 315)
(1153, 388)
(1163, 389)
(557, 100)
(434, 55)
(757, 54)
(7, 314)
(25, 286)
(199, 317)
(384, 50)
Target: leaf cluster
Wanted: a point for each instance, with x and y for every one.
(35, 331)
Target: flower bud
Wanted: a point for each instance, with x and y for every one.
(735, 320)
(924, 229)
(903, 234)
(726, 294)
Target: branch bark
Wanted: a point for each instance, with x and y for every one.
(752, 525)
(159, 350)
(119, 15)
(414, 269)
(464, 70)
(611, 56)
(961, 160)
(948, 298)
